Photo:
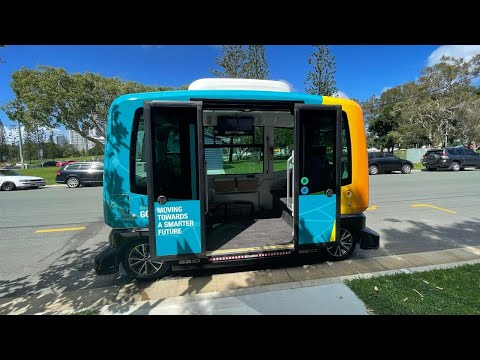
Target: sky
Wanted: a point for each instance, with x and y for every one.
(361, 70)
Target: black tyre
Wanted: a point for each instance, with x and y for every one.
(456, 166)
(344, 248)
(73, 182)
(136, 262)
(406, 169)
(8, 186)
(373, 170)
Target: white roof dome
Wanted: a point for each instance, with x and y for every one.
(239, 84)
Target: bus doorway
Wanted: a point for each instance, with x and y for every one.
(252, 194)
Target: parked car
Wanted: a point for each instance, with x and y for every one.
(386, 163)
(65, 162)
(11, 180)
(452, 158)
(80, 173)
(49, 163)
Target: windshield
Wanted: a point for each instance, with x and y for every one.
(9, 173)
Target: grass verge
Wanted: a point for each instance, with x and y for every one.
(452, 291)
(48, 173)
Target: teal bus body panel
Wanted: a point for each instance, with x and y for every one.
(178, 230)
(123, 209)
(316, 217)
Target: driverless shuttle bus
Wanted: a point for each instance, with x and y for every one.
(229, 172)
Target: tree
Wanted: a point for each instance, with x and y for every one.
(321, 79)
(382, 126)
(442, 94)
(29, 148)
(70, 151)
(50, 97)
(51, 150)
(3, 143)
(96, 150)
(232, 61)
(256, 65)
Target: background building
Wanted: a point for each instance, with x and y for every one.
(60, 139)
(81, 143)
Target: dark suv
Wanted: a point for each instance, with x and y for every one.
(454, 158)
(80, 173)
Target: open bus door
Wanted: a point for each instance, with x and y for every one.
(317, 177)
(175, 179)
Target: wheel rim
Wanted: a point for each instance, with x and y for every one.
(406, 169)
(456, 167)
(8, 187)
(373, 170)
(73, 182)
(140, 262)
(344, 246)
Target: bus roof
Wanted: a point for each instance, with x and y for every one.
(239, 84)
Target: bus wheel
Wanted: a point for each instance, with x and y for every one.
(344, 248)
(137, 263)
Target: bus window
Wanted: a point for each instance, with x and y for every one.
(283, 145)
(346, 163)
(138, 177)
(239, 154)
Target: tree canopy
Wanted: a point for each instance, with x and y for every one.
(321, 78)
(441, 103)
(49, 96)
(240, 61)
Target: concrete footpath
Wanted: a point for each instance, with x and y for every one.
(328, 296)
(308, 289)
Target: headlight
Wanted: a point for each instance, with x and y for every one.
(24, 180)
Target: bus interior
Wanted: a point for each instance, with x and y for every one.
(249, 174)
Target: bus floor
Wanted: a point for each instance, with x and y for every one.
(240, 233)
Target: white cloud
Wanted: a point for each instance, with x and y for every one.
(340, 94)
(456, 51)
(386, 88)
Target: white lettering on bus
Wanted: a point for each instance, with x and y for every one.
(169, 209)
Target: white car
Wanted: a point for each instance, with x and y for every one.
(11, 180)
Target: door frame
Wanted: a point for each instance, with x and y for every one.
(338, 177)
(147, 105)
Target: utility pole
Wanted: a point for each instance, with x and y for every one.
(446, 134)
(20, 145)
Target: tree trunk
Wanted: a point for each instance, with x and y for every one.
(230, 155)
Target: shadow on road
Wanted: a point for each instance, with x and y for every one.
(70, 282)
(420, 236)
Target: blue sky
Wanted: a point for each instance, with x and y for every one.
(362, 70)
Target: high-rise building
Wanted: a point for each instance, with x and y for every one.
(11, 134)
(81, 143)
(60, 139)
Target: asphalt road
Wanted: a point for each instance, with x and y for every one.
(422, 211)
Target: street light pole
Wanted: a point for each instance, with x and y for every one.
(446, 134)
(20, 144)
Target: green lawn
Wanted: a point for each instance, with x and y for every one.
(438, 292)
(251, 166)
(243, 167)
(78, 158)
(47, 173)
